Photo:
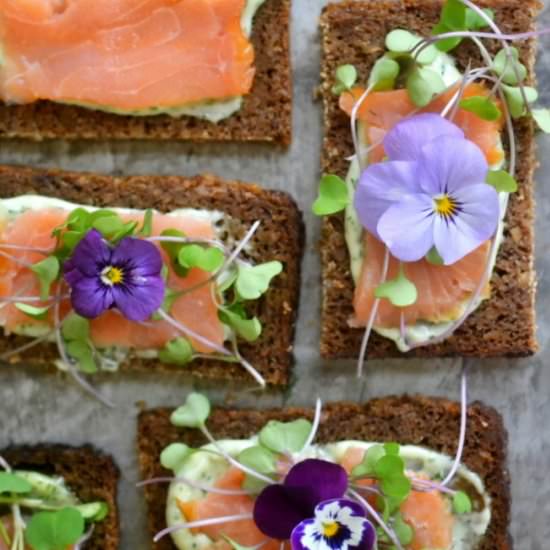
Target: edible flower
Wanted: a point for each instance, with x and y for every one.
(281, 507)
(126, 276)
(431, 192)
(338, 524)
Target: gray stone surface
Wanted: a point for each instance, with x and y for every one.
(49, 409)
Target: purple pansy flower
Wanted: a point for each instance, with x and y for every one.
(126, 277)
(281, 507)
(431, 192)
(338, 524)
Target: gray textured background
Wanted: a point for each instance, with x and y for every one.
(48, 409)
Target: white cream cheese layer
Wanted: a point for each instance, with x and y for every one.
(205, 468)
(422, 330)
(211, 110)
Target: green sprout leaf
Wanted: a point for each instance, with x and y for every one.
(12, 483)
(475, 22)
(515, 101)
(462, 503)
(333, 196)
(193, 413)
(177, 352)
(236, 318)
(54, 530)
(261, 460)
(79, 220)
(174, 456)
(399, 291)
(75, 327)
(147, 227)
(542, 118)
(384, 74)
(423, 84)
(502, 181)
(82, 352)
(433, 257)
(38, 313)
(47, 272)
(254, 281)
(346, 77)
(172, 249)
(206, 258)
(404, 532)
(402, 42)
(483, 107)
(368, 464)
(93, 511)
(507, 67)
(283, 437)
(392, 448)
(445, 44)
(453, 15)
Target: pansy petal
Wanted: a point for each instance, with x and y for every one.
(314, 481)
(143, 257)
(90, 298)
(407, 228)
(448, 164)
(406, 139)
(139, 298)
(276, 513)
(475, 223)
(91, 254)
(299, 539)
(380, 186)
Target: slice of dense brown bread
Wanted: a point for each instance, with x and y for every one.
(354, 32)
(279, 237)
(428, 422)
(265, 114)
(90, 474)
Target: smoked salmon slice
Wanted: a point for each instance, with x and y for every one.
(127, 55)
(428, 513)
(196, 309)
(442, 290)
(215, 505)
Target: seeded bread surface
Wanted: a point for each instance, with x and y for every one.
(279, 237)
(265, 114)
(427, 422)
(91, 475)
(354, 32)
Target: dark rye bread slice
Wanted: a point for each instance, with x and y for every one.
(279, 237)
(428, 422)
(265, 114)
(91, 475)
(354, 32)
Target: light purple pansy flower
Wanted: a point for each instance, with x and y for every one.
(431, 192)
(338, 524)
(126, 277)
(281, 507)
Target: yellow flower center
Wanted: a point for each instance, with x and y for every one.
(445, 206)
(330, 529)
(112, 275)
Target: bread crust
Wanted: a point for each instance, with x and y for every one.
(88, 472)
(354, 32)
(265, 115)
(417, 420)
(279, 237)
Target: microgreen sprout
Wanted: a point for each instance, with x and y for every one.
(102, 262)
(54, 517)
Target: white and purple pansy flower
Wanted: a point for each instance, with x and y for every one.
(282, 506)
(338, 524)
(126, 276)
(430, 193)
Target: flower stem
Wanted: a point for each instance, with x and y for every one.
(372, 317)
(353, 122)
(315, 426)
(246, 365)
(231, 460)
(201, 523)
(377, 518)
